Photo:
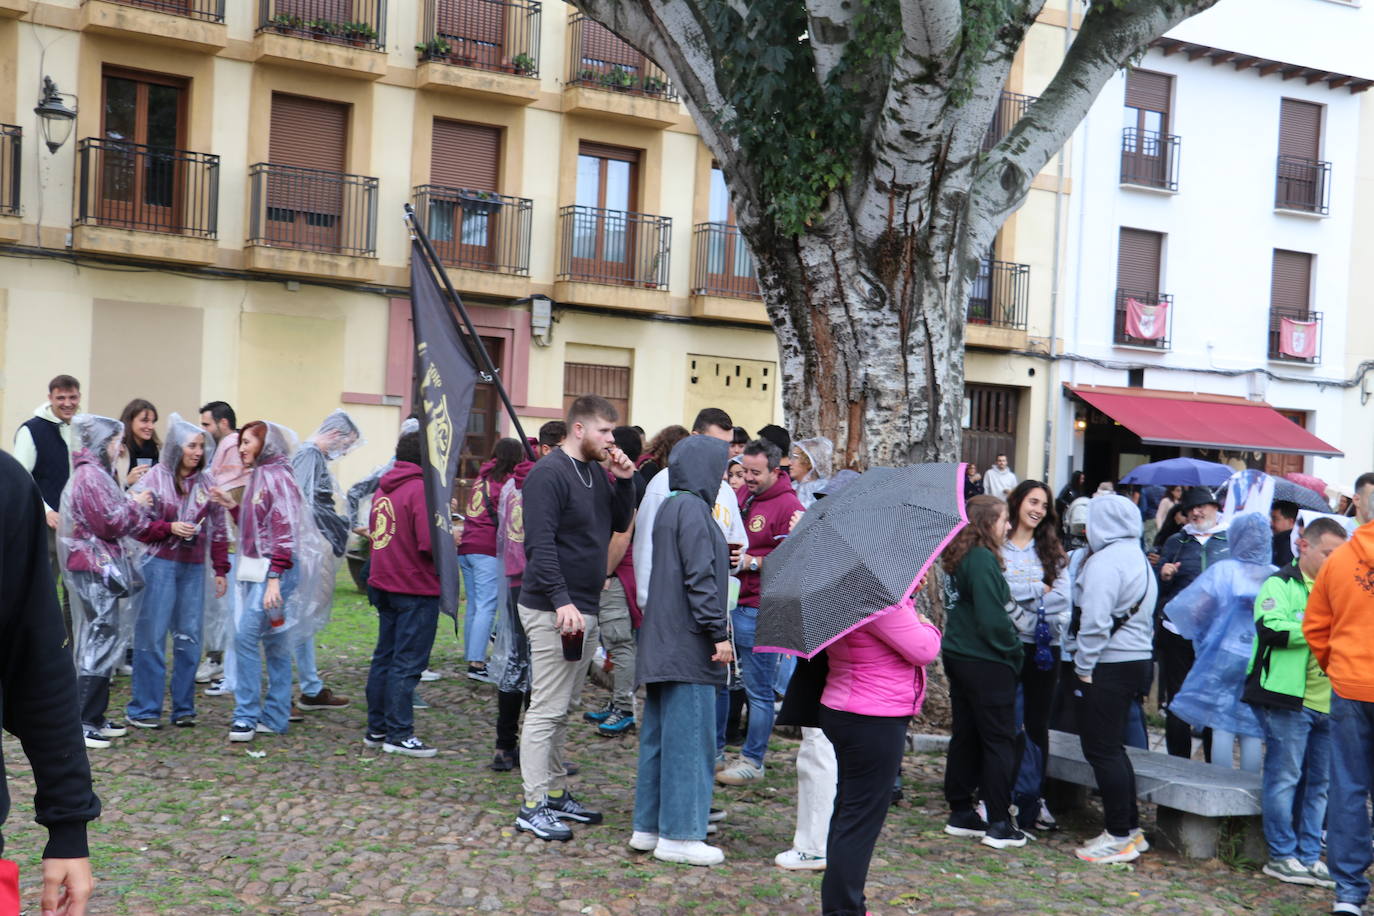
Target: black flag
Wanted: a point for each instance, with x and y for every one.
(447, 380)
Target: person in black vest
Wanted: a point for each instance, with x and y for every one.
(43, 446)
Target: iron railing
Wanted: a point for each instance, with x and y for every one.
(1303, 184)
(499, 35)
(1000, 296)
(477, 230)
(602, 60)
(1010, 107)
(722, 263)
(155, 189)
(361, 23)
(1149, 159)
(11, 156)
(204, 10)
(1276, 319)
(613, 246)
(312, 209)
(1145, 297)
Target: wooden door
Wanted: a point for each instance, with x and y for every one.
(141, 179)
(464, 227)
(989, 423)
(1300, 126)
(305, 199)
(1144, 150)
(729, 263)
(484, 425)
(1277, 465)
(604, 236)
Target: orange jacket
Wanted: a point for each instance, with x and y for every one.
(1339, 622)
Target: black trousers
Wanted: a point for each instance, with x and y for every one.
(1175, 661)
(868, 750)
(1037, 692)
(982, 744)
(509, 704)
(93, 695)
(1103, 707)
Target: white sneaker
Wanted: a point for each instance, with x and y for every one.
(796, 860)
(643, 842)
(1044, 820)
(429, 674)
(216, 689)
(208, 671)
(1321, 877)
(94, 739)
(1141, 844)
(687, 852)
(1347, 909)
(1105, 849)
(741, 774)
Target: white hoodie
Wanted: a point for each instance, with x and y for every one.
(26, 452)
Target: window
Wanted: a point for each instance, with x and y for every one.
(1147, 147)
(474, 30)
(1294, 329)
(607, 182)
(142, 126)
(1302, 174)
(305, 190)
(465, 158)
(1139, 254)
(484, 421)
(729, 264)
(990, 413)
(1142, 311)
(611, 382)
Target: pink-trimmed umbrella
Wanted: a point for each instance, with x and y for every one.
(858, 554)
(1315, 484)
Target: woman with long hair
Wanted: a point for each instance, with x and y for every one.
(184, 529)
(140, 439)
(1036, 571)
(655, 457)
(983, 655)
(482, 570)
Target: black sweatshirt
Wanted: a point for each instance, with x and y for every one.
(570, 511)
(37, 682)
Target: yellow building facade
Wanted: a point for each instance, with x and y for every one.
(225, 219)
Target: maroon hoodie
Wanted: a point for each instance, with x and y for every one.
(402, 558)
(766, 518)
(479, 515)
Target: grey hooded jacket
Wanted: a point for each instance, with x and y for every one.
(1113, 579)
(685, 614)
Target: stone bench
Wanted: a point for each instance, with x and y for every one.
(1193, 798)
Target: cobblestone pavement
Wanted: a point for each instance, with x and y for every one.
(319, 825)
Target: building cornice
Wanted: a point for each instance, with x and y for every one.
(1265, 66)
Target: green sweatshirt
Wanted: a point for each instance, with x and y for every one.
(978, 608)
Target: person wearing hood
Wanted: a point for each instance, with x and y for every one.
(811, 466)
(219, 422)
(94, 538)
(1114, 595)
(477, 554)
(1182, 558)
(336, 437)
(683, 656)
(184, 528)
(1339, 628)
(1216, 613)
(403, 584)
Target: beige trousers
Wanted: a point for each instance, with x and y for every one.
(555, 687)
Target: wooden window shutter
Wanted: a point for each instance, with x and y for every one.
(339, 11)
(1300, 129)
(483, 21)
(611, 382)
(308, 133)
(604, 151)
(1139, 254)
(465, 156)
(1291, 287)
(601, 44)
(1148, 90)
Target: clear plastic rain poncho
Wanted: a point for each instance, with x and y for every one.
(274, 520)
(96, 547)
(364, 488)
(337, 436)
(510, 657)
(820, 451)
(1217, 612)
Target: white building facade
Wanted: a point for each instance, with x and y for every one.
(1210, 250)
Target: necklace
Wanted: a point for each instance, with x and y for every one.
(578, 471)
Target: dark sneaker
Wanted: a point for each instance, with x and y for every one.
(617, 723)
(93, 737)
(565, 806)
(410, 747)
(571, 769)
(598, 716)
(184, 721)
(716, 816)
(480, 674)
(325, 699)
(541, 822)
(373, 739)
(417, 701)
(146, 723)
(295, 715)
(966, 824)
(1003, 835)
(112, 729)
(241, 731)
(503, 762)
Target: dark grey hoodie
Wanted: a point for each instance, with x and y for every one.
(685, 614)
(1114, 578)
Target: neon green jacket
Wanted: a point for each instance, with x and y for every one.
(1277, 674)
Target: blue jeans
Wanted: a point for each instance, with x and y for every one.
(482, 581)
(758, 670)
(787, 664)
(306, 670)
(1348, 851)
(255, 639)
(676, 760)
(1297, 771)
(405, 630)
(173, 598)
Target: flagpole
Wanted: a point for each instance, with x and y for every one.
(474, 339)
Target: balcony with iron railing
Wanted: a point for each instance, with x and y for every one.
(476, 230)
(481, 48)
(11, 159)
(724, 280)
(1295, 335)
(1149, 159)
(152, 189)
(1155, 328)
(194, 24)
(1010, 107)
(1303, 185)
(1000, 296)
(608, 76)
(347, 37)
(331, 215)
(613, 248)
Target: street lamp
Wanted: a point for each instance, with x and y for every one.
(55, 117)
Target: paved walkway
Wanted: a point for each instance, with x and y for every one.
(194, 825)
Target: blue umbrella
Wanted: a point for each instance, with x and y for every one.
(1180, 472)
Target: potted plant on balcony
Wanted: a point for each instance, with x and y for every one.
(437, 48)
(479, 202)
(285, 22)
(524, 64)
(654, 85)
(323, 28)
(588, 77)
(359, 34)
(618, 79)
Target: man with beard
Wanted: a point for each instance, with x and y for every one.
(570, 510)
(1182, 559)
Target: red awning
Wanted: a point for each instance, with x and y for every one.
(1201, 421)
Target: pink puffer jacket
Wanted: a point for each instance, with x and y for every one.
(879, 669)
